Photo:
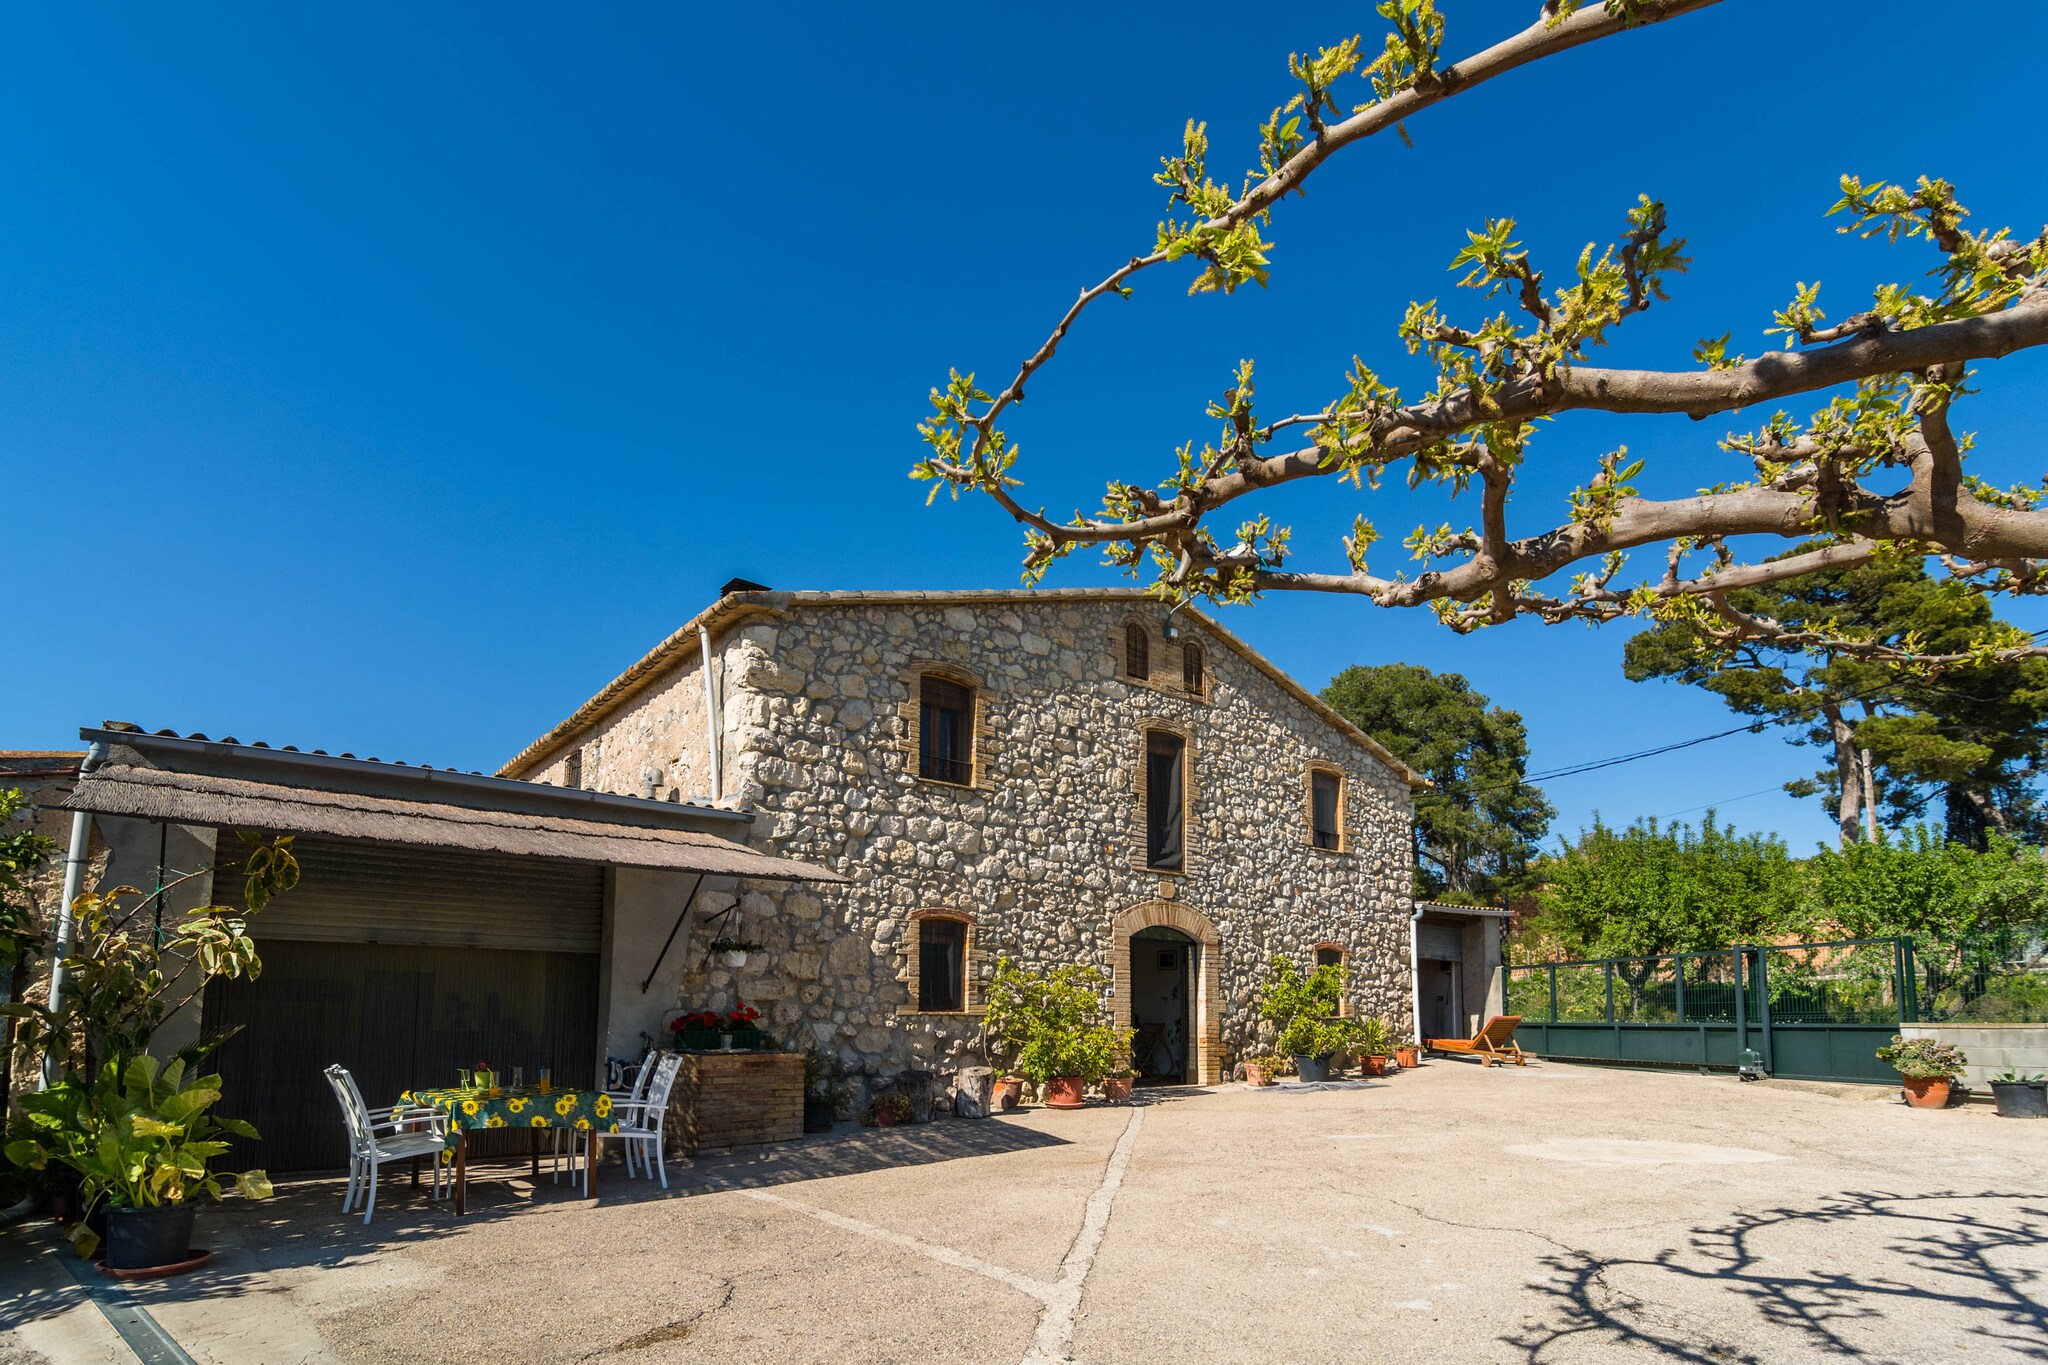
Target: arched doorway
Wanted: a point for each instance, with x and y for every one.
(1166, 969)
(1162, 969)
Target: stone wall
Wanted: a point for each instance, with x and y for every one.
(653, 745)
(1044, 850)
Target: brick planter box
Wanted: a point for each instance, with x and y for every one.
(735, 1099)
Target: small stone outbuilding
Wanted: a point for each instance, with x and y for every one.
(1087, 776)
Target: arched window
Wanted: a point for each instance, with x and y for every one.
(1165, 800)
(1329, 955)
(945, 731)
(1191, 667)
(1137, 652)
(941, 980)
(1326, 809)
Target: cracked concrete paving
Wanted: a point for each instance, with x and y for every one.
(1536, 1215)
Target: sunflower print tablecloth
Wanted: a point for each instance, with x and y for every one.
(505, 1107)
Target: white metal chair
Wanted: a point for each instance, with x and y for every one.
(573, 1142)
(641, 1120)
(642, 1079)
(408, 1132)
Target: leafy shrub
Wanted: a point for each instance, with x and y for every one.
(1306, 1009)
(1923, 1057)
(139, 1137)
(1054, 1025)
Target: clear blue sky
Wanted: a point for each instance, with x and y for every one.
(385, 379)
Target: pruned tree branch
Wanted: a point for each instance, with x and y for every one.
(1895, 370)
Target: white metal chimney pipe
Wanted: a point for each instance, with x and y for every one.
(74, 886)
(1415, 973)
(713, 725)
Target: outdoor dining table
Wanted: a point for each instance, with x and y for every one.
(528, 1107)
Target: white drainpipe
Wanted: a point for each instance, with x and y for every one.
(1415, 972)
(74, 885)
(712, 721)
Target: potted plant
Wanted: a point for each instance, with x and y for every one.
(888, 1109)
(740, 1028)
(696, 1031)
(1407, 1053)
(2020, 1097)
(1265, 1069)
(1306, 1009)
(1375, 1045)
(733, 951)
(141, 1141)
(1053, 1030)
(1926, 1068)
(1116, 1086)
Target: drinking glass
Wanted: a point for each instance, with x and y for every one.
(546, 1080)
(518, 1078)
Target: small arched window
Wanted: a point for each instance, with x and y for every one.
(1329, 955)
(1191, 667)
(945, 731)
(941, 964)
(1137, 652)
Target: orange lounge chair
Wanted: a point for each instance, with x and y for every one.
(1495, 1043)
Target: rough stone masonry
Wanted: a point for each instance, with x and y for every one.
(1039, 847)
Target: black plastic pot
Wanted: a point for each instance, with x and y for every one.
(817, 1116)
(2021, 1099)
(138, 1239)
(1312, 1068)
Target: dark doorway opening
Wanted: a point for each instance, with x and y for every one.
(1442, 1016)
(1162, 991)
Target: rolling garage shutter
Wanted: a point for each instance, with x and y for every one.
(1443, 942)
(381, 893)
(402, 964)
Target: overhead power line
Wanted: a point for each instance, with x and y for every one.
(1752, 728)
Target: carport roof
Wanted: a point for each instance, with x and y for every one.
(152, 793)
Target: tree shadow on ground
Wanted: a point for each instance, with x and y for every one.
(302, 1226)
(1944, 1256)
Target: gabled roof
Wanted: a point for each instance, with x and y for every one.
(734, 607)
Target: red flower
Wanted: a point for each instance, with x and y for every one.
(743, 1013)
(701, 1019)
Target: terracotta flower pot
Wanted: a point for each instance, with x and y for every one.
(1373, 1066)
(1009, 1093)
(1926, 1092)
(1408, 1056)
(1064, 1092)
(1116, 1088)
(885, 1118)
(1256, 1075)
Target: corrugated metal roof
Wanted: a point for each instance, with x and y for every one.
(1485, 911)
(228, 802)
(230, 757)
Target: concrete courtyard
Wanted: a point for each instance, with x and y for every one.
(1547, 1214)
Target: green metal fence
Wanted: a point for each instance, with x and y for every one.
(1816, 1011)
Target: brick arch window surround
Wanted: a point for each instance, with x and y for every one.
(940, 970)
(945, 730)
(1324, 798)
(944, 734)
(1165, 787)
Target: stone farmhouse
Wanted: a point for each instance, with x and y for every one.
(1063, 776)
